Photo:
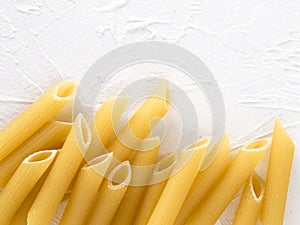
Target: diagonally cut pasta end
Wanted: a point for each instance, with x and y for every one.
(100, 164)
(65, 90)
(149, 144)
(203, 143)
(167, 162)
(41, 156)
(164, 168)
(279, 129)
(223, 143)
(257, 145)
(256, 187)
(198, 148)
(82, 132)
(99, 160)
(120, 176)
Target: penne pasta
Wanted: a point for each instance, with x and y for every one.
(205, 181)
(236, 173)
(22, 182)
(251, 201)
(153, 192)
(132, 198)
(20, 217)
(85, 190)
(140, 124)
(104, 124)
(62, 173)
(111, 194)
(51, 136)
(36, 116)
(103, 177)
(178, 185)
(102, 128)
(278, 176)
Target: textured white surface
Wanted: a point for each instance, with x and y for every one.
(251, 47)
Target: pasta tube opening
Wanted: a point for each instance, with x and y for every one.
(164, 168)
(22, 182)
(82, 132)
(237, 172)
(41, 156)
(100, 164)
(35, 117)
(120, 176)
(165, 164)
(99, 160)
(188, 152)
(257, 188)
(50, 136)
(257, 145)
(65, 90)
(203, 143)
(251, 201)
(149, 144)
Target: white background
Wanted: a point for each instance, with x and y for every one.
(251, 47)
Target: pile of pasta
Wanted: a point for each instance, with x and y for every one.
(36, 180)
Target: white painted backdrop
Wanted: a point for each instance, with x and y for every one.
(251, 47)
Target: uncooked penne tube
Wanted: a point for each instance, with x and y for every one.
(178, 185)
(110, 195)
(22, 182)
(20, 217)
(50, 136)
(37, 115)
(140, 124)
(205, 181)
(237, 172)
(85, 190)
(104, 123)
(62, 173)
(278, 176)
(102, 128)
(153, 192)
(129, 205)
(251, 201)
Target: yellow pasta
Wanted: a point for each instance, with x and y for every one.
(140, 124)
(62, 173)
(51, 136)
(22, 182)
(104, 124)
(239, 169)
(251, 202)
(205, 181)
(20, 217)
(36, 116)
(278, 176)
(153, 192)
(129, 205)
(102, 129)
(122, 184)
(111, 194)
(178, 186)
(85, 190)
